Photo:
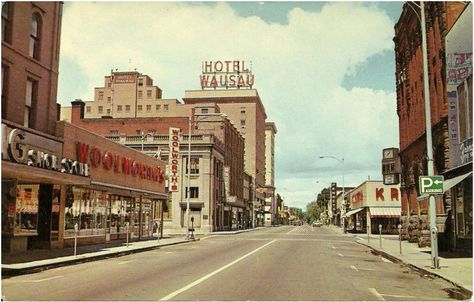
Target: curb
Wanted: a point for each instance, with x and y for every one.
(9, 272)
(463, 291)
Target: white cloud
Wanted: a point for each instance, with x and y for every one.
(299, 68)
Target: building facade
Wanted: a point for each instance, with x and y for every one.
(217, 159)
(410, 109)
(458, 179)
(372, 204)
(271, 208)
(245, 110)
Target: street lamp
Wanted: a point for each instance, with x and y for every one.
(429, 139)
(343, 188)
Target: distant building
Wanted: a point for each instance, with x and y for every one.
(372, 204)
(410, 109)
(271, 208)
(245, 110)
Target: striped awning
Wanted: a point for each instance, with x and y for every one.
(388, 212)
(352, 212)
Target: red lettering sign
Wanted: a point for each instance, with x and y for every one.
(394, 194)
(379, 194)
(126, 165)
(108, 160)
(96, 155)
(116, 163)
(82, 152)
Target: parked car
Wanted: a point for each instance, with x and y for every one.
(317, 224)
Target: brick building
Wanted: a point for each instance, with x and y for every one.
(217, 154)
(440, 17)
(30, 57)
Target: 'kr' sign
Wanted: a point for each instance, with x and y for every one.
(431, 184)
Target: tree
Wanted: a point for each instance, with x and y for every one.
(313, 211)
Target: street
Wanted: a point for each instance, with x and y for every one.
(280, 263)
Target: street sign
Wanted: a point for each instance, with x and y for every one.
(431, 185)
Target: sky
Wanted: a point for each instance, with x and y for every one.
(324, 72)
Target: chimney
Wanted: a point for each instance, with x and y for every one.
(77, 112)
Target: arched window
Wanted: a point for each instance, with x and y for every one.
(35, 36)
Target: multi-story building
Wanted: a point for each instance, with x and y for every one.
(55, 182)
(410, 108)
(458, 226)
(30, 57)
(245, 110)
(217, 162)
(271, 209)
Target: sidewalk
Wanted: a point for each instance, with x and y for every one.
(455, 270)
(37, 260)
(41, 259)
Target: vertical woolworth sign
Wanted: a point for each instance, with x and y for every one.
(173, 159)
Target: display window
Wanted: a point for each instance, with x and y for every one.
(463, 200)
(26, 212)
(88, 210)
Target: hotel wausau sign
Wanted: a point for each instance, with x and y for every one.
(226, 74)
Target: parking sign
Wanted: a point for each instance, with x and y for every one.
(431, 185)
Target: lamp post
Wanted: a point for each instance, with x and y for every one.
(429, 139)
(343, 188)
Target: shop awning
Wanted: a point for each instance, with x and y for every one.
(448, 184)
(30, 174)
(388, 212)
(352, 212)
(116, 189)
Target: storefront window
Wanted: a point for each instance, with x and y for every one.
(463, 198)
(88, 210)
(55, 212)
(26, 215)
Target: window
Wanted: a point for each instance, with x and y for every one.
(109, 99)
(26, 214)
(165, 107)
(119, 108)
(158, 107)
(140, 107)
(30, 102)
(88, 109)
(35, 37)
(101, 109)
(114, 132)
(140, 94)
(148, 94)
(108, 111)
(127, 108)
(148, 107)
(204, 110)
(140, 82)
(7, 22)
(101, 95)
(5, 78)
(194, 165)
(109, 84)
(242, 123)
(242, 110)
(194, 192)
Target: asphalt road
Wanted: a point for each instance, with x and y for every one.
(282, 263)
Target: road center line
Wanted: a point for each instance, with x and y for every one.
(202, 279)
(397, 296)
(354, 268)
(126, 261)
(376, 293)
(340, 254)
(293, 230)
(41, 280)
